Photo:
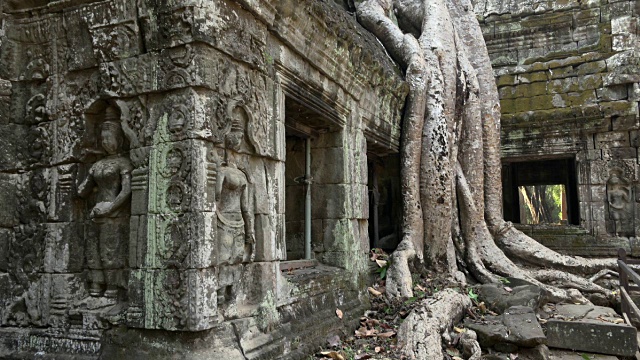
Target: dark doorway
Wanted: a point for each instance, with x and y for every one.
(385, 201)
(541, 192)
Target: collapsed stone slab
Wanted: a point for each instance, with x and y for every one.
(591, 328)
(516, 327)
(500, 297)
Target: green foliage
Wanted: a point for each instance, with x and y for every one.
(349, 353)
(473, 296)
(382, 271)
(504, 280)
(585, 356)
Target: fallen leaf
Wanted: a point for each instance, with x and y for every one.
(381, 263)
(459, 330)
(378, 349)
(339, 313)
(387, 334)
(618, 321)
(513, 356)
(374, 292)
(456, 358)
(332, 354)
(508, 289)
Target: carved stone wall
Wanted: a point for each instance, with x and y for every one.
(567, 74)
(142, 175)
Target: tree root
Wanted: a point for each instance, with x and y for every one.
(451, 127)
(420, 335)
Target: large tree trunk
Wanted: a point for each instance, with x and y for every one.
(450, 159)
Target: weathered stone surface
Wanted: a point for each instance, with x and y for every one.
(590, 328)
(540, 352)
(143, 175)
(496, 297)
(565, 72)
(568, 355)
(517, 326)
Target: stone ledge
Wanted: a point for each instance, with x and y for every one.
(590, 328)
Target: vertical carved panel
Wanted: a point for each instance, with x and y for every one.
(620, 206)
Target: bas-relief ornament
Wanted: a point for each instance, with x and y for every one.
(37, 66)
(115, 42)
(177, 65)
(35, 111)
(620, 205)
(106, 233)
(168, 29)
(25, 266)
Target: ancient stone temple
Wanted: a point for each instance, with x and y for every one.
(189, 178)
(568, 77)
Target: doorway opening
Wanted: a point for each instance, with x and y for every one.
(541, 192)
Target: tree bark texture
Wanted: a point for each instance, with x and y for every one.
(450, 160)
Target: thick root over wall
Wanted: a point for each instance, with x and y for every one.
(450, 160)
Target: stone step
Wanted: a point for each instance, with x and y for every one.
(590, 328)
(556, 354)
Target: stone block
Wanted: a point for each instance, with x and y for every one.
(182, 177)
(634, 136)
(116, 40)
(5, 110)
(598, 193)
(499, 299)
(613, 93)
(591, 68)
(262, 194)
(182, 241)
(617, 108)
(14, 139)
(267, 248)
(70, 144)
(66, 290)
(64, 244)
(329, 165)
(330, 201)
(593, 154)
(78, 38)
(619, 153)
(6, 238)
(130, 76)
(602, 337)
(172, 299)
(517, 326)
(140, 191)
(341, 235)
(626, 122)
(612, 139)
(563, 72)
(8, 199)
(258, 279)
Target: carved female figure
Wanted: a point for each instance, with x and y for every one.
(618, 198)
(110, 179)
(236, 236)
(235, 216)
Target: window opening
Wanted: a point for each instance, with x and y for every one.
(541, 192)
